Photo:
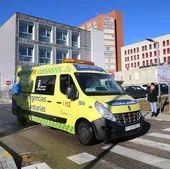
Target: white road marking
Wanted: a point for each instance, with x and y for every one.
(160, 135)
(167, 129)
(153, 144)
(140, 156)
(85, 157)
(82, 158)
(37, 166)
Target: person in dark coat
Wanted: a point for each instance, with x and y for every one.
(152, 93)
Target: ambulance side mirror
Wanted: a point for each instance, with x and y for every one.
(71, 93)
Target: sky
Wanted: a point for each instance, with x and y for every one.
(141, 18)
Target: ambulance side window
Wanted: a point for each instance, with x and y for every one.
(45, 85)
(65, 81)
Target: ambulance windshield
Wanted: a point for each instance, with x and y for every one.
(98, 84)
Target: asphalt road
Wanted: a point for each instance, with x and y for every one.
(35, 143)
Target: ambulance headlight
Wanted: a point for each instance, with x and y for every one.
(105, 112)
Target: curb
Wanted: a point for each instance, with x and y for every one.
(6, 160)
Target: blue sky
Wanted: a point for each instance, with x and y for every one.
(141, 18)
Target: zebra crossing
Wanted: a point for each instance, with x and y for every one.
(146, 141)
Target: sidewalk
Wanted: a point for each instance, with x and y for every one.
(6, 160)
(160, 117)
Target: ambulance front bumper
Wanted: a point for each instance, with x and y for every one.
(105, 129)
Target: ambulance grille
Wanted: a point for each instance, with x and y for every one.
(128, 118)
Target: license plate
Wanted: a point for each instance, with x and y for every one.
(132, 127)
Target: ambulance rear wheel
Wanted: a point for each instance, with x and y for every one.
(85, 133)
(20, 117)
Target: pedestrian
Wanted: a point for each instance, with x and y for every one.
(152, 93)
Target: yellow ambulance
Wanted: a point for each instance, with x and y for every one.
(78, 97)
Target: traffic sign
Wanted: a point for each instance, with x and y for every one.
(8, 82)
(163, 74)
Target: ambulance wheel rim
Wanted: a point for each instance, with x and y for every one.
(85, 133)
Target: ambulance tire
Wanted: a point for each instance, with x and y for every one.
(20, 117)
(85, 133)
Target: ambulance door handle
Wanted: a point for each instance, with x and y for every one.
(49, 101)
(58, 102)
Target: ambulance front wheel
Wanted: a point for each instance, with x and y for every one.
(20, 117)
(85, 133)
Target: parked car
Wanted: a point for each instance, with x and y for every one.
(135, 91)
(164, 88)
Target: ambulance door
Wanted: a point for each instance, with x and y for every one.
(68, 107)
(43, 98)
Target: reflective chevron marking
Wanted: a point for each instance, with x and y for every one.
(153, 144)
(159, 135)
(140, 156)
(167, 129)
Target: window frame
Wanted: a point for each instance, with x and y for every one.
(26, 34)
(47, 90)
(27, 47)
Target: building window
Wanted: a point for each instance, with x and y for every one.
(142, 48)
(137, 49)
(25, 53)
(44, 34)
(75, 54)
(155, 61)
(135, 64)
(138, 64)
(167, 41)
(60, 55)
(150, 46)
(145, 47)
(164, 51)
(45, 85)
(143, 63)
(134, 50)
(143, 56)
(25, 29)
(61, 37)
(131, 64)
(138, 57)
(154, 45)
(168, 59)
(150, 54)
(151, 62)
(155, 53)
(164, 59)
(134, 57)
(131, 58)
(125, 52)
(147, 63)
(146, 55)
(163, 43)
(168, 50)
(44, 55)
(75, 39)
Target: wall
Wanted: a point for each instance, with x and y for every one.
(85, 44)
(7, 52)
(97, 47)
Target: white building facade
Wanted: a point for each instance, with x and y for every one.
(143, 54)
(25, 39)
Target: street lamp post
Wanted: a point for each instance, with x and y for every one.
(158, 64)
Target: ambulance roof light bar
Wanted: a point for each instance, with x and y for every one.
(79, 61)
